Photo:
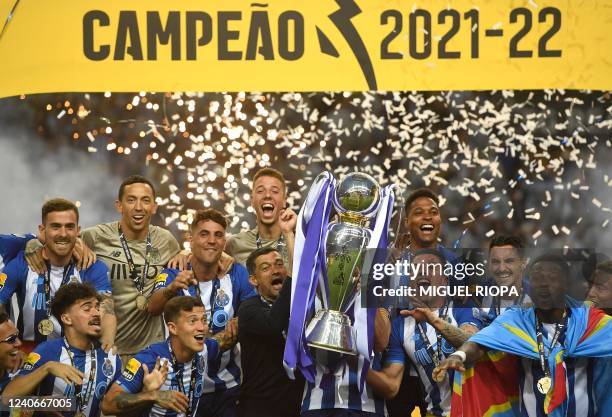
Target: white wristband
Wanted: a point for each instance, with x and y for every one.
(459, 353)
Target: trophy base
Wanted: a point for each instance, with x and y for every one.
(331, 330)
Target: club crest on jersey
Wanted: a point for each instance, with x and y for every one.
(107, 368)
(31, 360)
(131, 369)
(2, 281)
(155, 256)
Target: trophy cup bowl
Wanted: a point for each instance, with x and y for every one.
(330, 333)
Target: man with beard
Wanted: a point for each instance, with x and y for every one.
(425, 335)
(555, 343)
(75, 365)
(9, 349)
(600, 293)
(266, 390)
(275, 223)
(59, 229)
(148, 387)
(222, 290)
(506, 265)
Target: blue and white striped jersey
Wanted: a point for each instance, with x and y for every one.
(581, 397)
(225, 373)
(107, 367)
(29, 286)
(406, 340)
(340, 389)
(10, 246)
(131, 377)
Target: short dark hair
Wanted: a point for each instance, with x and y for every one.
(58, 204)
(173, 308)
(433, 252)
(252, 259)
(3, 317)
(270, 172)
(508, 240)
(134, 179)
(67, 295)
(605, 267)
(418, 193)
(209, 214)
(553, 258)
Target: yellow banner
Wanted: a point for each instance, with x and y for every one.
(314, 45)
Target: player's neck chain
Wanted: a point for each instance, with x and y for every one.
(436, 355)
(544, 384)
(45, 326)
(178, 370)
(84, 393)
(141, 299)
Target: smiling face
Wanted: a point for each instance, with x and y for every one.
(600, 293)
(268, 199)
(190, 328)
(423, 223)
(428, 270)
(84, 317)
(207, 242)
(270, 273)
(137, 206)
(60, 231)
(506, 265)
(9, 345)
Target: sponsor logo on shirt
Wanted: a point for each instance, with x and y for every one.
(2, 280)
(160, 281)
(131, 369)
(31, 360)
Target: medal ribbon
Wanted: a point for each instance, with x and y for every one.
(437, 355)
(559, 328)
(179, 376)
(47, 284)
(83, 400)
(214, 307)
(138, 281)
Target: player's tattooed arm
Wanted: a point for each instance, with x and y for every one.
(108, 322)
(117, 401)
(454, 335)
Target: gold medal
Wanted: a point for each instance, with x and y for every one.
(79, 413)
(45, 327)
(141, 302)
(544, 385)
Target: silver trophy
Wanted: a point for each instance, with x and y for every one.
(356, 199)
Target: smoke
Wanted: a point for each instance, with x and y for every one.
(32, 173)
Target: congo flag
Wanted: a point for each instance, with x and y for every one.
(491, 387)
